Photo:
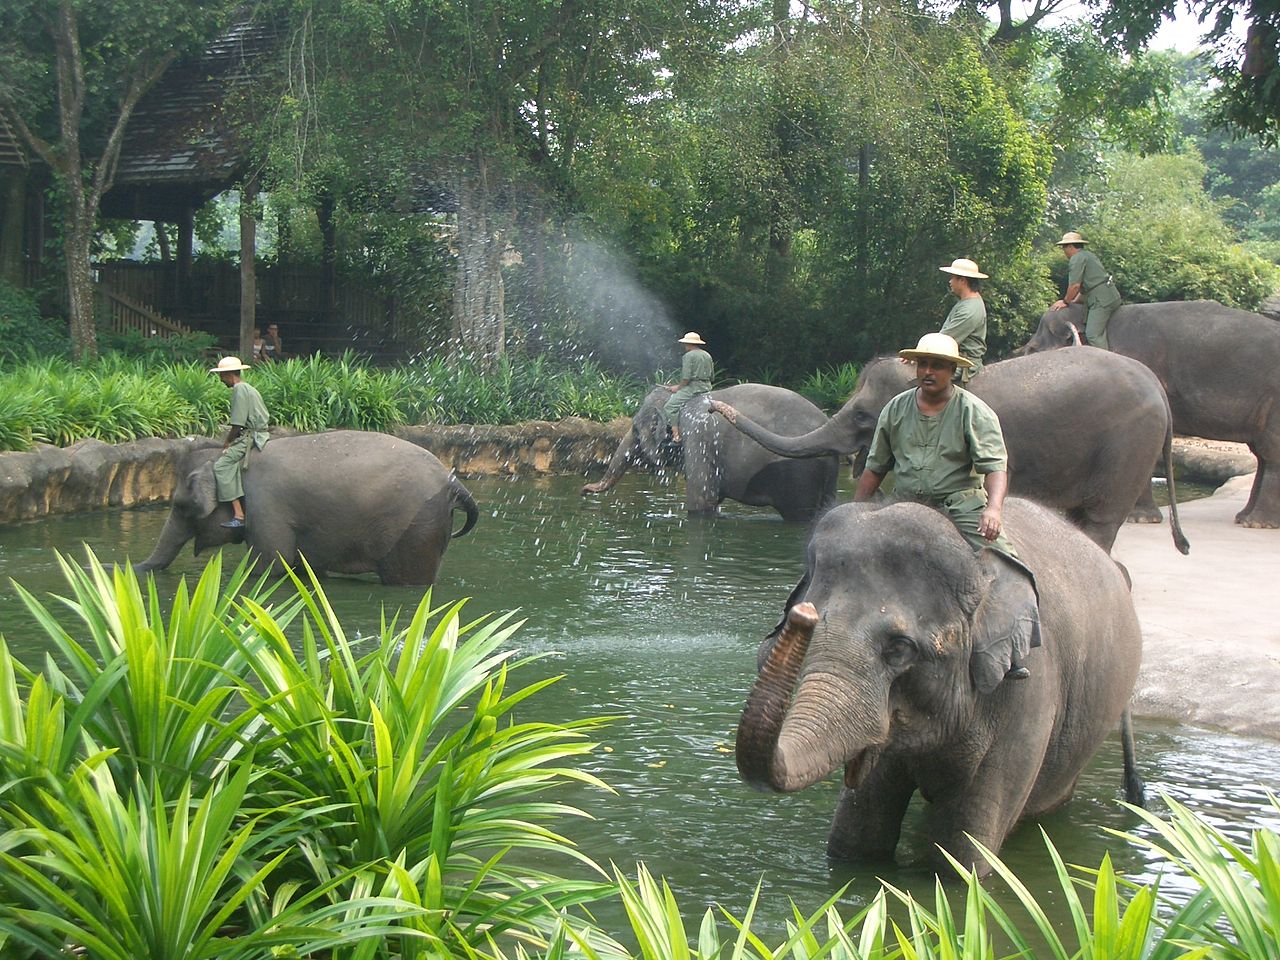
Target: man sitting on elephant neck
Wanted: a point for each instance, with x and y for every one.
(248, 429)
(696, 371)
(966, 324)
(938, 441)
(1088, 281)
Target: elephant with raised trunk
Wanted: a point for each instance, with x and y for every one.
(1218, 366)
(1084, 430)
(890, 665)
(349, 502)
(719, 463)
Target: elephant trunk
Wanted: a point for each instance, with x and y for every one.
(176, 532)
(835, 437)
(618, 464)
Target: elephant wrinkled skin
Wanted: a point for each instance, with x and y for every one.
(891, 666)
(1217, 364)
(347, 501)
(1084, 430)
(719, 463)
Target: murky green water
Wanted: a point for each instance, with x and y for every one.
(656, 617)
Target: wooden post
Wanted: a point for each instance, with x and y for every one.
(13, 206)
(248, 267)
(186, 243)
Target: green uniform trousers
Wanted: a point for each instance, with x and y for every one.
(1095, 324)
(229, 467)
(671, 409)
(964, 509)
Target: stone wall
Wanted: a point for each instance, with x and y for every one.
(91, 475)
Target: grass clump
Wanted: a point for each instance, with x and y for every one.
(829, 387)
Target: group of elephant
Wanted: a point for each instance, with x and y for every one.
(890, 658)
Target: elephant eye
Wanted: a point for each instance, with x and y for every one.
(900, 651)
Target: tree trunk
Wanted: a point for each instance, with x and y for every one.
(186, 254)
(248, 269)
(479, 308)
(76, 245)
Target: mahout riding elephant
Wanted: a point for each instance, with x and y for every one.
(1217, 364)
(891, 664)
(347, 501)
(719, 463)
(1084, 430)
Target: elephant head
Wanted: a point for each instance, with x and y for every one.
(1058, 328)
(900, 632)
(644, 444)
(195, 513)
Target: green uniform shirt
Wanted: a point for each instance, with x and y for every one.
(966, 324)
(696, 367)
(1086, 269)
(935, 457)
(248, 411)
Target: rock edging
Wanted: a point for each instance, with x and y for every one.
(92, 475)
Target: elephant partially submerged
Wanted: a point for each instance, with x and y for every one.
(719, 463)
(347, 501)
(891, 664)
(1218, 366)
(1084, 431)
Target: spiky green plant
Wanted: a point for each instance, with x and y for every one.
(829, 387)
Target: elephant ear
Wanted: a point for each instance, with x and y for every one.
(1006, 624)
(203, 490)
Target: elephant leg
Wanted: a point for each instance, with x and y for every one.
(415, 558)
(1263, 508)
(1098, 528)
(868, 818)
(1145, 510)
(274, 545)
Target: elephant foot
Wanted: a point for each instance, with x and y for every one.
(1149, 515)
(1256, 522)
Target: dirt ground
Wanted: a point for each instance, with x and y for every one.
(1210, 620)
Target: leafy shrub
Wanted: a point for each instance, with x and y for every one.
(829, 387)
(23, 332)
(185, 348)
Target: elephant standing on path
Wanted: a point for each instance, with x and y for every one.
(1218, 366)
(719, 463)
(891, 664)
(1084, 431)
(347, 501)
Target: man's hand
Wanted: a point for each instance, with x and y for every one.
(989, 523)
(1059, 305)
(673, 389)
(726, 411)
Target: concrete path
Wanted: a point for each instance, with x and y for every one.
(1210, 620)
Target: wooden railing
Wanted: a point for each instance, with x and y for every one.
(128, 314)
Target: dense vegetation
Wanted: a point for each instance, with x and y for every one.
(231, 775)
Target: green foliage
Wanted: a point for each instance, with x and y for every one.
(185, 348)
(23, 332)
(829, 387)
(1163, 238)
(196, 784)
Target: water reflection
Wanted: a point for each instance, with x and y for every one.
(655, 617)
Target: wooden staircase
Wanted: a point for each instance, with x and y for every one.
(128, 314)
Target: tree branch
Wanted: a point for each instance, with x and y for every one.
(105, 173)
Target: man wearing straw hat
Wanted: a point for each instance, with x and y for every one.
(966, 324)
(248, 429)
(1089, 281)
(696, 371)
(946, 450)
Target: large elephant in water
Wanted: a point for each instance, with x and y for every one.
(349, 502)
(891, 664)
(719, 463)
(1218, 366)
(1084, 430)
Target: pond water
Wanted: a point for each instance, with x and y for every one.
(654, 616)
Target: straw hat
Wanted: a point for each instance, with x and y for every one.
(1071, 239)
(693, 338)
(938, 346)
(229, 365)
(964, 268)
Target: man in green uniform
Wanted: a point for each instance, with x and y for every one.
(946, 450)
(1088, 281)
(696, 371)
(248, 429)
(966, 324)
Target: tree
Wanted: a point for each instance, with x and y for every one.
(71, 74)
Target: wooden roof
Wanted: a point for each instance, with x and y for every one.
(183, 144)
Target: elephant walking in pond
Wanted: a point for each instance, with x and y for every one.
(347, 501)
(719, 463)
(890, 665)
(1218, 366)
(1084, 430)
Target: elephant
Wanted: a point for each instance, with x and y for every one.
(1218, 366)
(890, 664)
(1083, 430)
(720, 463)
(347, 501)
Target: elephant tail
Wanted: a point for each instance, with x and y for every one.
(462, 498)
(1179, 538)
(1135, 790)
